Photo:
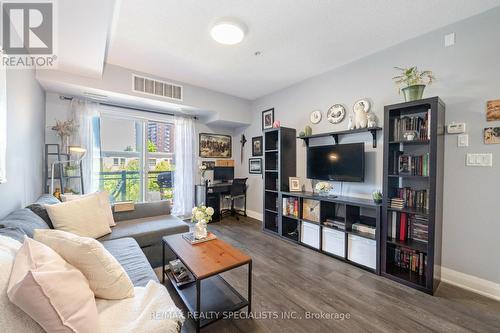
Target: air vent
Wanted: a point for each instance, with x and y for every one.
(158, 88)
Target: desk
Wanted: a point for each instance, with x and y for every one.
(210, 196)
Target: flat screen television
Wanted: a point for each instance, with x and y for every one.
(344, 162)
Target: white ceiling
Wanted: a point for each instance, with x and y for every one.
(298, 39)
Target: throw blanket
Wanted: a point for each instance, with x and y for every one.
(151, 310)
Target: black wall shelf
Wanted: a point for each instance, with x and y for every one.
(335, 135)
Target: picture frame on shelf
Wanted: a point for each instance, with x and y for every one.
(267, 119)
(215, 145)
(257, 146)
(255, 166)
(210, 165)
(294, 184)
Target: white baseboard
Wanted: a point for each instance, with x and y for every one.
(255, 215)
(472, 283)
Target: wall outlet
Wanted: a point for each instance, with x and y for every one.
(456, 128)
(481, 160)
(463, 140)
(449, 39)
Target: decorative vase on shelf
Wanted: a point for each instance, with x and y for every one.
(200, 229)
(413, 93)
(323, 188)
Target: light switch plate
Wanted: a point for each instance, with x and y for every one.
(463, 140)
(449, 39)
(481, 160)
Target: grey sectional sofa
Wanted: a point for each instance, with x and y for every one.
(135, 241)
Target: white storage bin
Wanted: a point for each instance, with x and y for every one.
(309, 234)
(362, 251)
(334, 242)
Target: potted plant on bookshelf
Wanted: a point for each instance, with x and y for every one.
(412, 82)
(71, 170)
(377, 197)
(201, 215)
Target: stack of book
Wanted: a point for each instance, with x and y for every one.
(363, 228)
(417, 124)
(413, 165)
(291, 207)
(397, 203)
(411, 260)
(412, 198)
(335, 224)
(403, 226)
(419, 228)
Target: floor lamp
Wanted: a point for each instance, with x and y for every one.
(75, 150)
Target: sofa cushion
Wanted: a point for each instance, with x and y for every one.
(25, 220)
(144, 209)
(130, 256)
(107, 278)
(39, 209)
(149, 230)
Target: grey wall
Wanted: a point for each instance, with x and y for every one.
(468, 75)
(25, 140)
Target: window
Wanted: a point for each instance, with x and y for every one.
(136, 158)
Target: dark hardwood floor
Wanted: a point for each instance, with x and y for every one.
(290, 280)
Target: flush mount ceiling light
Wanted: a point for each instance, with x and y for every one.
(228, 31)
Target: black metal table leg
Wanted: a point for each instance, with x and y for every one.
(197, 316)
(163, 262)
(249, 287)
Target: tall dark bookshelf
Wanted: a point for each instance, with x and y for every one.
(280, 155)
(413, 163)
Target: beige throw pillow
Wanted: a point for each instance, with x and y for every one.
(103, 202)
(106, 276)
(51, 291)
(83, 217)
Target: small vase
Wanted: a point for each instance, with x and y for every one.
(413, 93)
(324, 193)
(200, 230)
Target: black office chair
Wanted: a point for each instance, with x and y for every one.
(238, 191)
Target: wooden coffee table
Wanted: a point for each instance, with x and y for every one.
(210, 297)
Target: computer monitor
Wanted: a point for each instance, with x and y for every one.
(223, 173)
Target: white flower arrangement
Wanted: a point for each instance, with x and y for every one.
(323, 187)
(202, 214)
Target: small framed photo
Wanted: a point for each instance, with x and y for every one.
(210, 165)
(267, 119)
(257, 146)
(492, 135)
(294, 183)
(255, 165)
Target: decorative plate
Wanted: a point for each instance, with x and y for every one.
(315, 116)
(336, 113)
(362, 103)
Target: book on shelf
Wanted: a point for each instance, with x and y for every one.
(335, 224)
(412, 165)
(418, 124)
(291, 207)
(408, 197)
(410, 260)
(363, 228)
(403, 226)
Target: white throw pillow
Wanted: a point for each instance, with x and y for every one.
(103, 201)
(106, 276)
(12, 318)
(83, 217)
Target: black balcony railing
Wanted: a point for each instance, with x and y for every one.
(126, 185)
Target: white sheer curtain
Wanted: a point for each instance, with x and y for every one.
(3, 124)
(185, 138)
(86, 116)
